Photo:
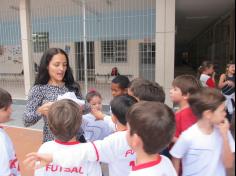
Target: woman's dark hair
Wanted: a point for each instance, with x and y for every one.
(43, 77)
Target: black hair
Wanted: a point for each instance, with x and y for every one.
(43, 77)
(120, 106)
(5, 99)
(122, 81)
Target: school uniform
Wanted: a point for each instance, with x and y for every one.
(9, 164)
(81, 168)
(95, 129)
(113, 150)
(162, 166)
(201, 154)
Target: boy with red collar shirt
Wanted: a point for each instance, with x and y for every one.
(113, 149)
(9, 164)
(64, 120)
(182, 87)
(151, 127)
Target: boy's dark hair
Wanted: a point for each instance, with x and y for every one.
(188, 84)
(205, 99)
(122, 81)
(92, 94)
(64, 119)
(120, 106)
(146, 90)
(154, 123)
(5, 99)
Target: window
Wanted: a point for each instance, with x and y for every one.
(147, 53)
(40, 41)
(114, 51)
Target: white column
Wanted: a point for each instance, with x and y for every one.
(165, 44)
(26, 41)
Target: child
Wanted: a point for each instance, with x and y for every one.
(207, 147)
(182, 87)
(119, 85)
(151, 127)
(206, 74)
(9, 164)
(113, 150)
(64, 119)
(94, 129)
(227, 85)
(145, 90)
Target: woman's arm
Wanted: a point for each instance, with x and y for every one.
(31, 115)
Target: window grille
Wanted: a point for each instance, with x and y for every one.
(40, 41)
(114, 51)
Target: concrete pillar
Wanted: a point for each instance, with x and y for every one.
(165, 44)
(26, 42)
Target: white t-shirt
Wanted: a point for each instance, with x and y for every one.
(113, 150)
(203, 79)
(9, 165)
(81, 168)
(201, 154)
(161, 167)
(95, 129)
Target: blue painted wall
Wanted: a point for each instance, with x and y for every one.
(125, 25)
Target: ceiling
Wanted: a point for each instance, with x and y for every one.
(193, 16)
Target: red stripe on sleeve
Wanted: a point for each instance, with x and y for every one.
(96, 150)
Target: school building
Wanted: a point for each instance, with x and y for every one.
(153, 39)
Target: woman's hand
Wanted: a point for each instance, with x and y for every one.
(44, 108)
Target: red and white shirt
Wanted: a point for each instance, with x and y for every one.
(113, 150)
(9, 165)
(160, 167)
(81, 167)
(207, 81)
(184, 119)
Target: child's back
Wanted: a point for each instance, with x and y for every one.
(82, 167)
(64, 120)
(159, 167)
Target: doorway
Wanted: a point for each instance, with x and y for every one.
(90, 61)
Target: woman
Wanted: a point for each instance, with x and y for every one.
(54, 78)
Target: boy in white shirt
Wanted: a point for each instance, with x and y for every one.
(151, 127)
(9, 164)
(113, 150)
(64, 119)
(207, 147)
